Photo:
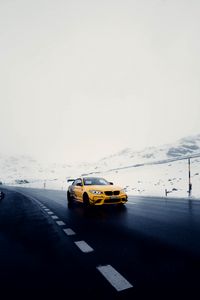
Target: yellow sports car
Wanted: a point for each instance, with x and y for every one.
(95, 191)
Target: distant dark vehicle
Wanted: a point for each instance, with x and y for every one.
(2, 195)
(21, 181)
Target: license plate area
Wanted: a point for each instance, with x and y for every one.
(114, 198)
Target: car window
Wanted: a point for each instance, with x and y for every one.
(88, 182)
(95, 181)
(78, 182)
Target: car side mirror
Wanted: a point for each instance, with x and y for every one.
(111, 183)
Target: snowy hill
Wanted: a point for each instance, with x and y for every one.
(155, 169)
(145, 172)
(24, 169)
(186, 147)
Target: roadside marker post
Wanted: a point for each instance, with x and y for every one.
(189, 177)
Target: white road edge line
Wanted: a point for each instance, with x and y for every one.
(34, 199)
(54, 217)
(60, 223)
(84, 247)
(27, 196)
(114, 278)
(69, 231)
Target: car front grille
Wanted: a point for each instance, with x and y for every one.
(111, 193)
(116, 192)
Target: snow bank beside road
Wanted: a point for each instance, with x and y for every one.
(151, 180)
(147, 172)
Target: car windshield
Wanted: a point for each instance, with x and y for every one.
(95, 181)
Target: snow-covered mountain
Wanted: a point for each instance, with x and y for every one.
(155, 170)
(186, 147)
(24, 169)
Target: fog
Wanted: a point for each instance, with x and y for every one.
(84, 79)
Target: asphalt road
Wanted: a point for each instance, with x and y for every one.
(149, 248)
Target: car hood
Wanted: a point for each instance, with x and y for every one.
(103, 188)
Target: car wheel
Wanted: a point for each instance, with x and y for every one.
(69, 198)
(86, 200)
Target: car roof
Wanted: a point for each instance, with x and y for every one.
(86, 177)
(93, 177)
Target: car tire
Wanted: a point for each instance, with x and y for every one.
(69, 199)
(86, 201)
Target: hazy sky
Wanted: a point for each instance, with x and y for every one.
(82, 79)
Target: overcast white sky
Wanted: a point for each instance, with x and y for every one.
(82, 79)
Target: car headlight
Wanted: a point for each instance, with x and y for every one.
(123, 191)
(96, 192)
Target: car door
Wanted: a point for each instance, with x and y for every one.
(73, 189)
(78, 189)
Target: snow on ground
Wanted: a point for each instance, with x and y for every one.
(145, 180)
(146, 172)
(154, 179)
(15, 170)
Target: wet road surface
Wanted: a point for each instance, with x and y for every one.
(149, 248)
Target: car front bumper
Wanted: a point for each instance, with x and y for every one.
(103, 199)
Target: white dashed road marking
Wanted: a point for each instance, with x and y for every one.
(60, 223)
(69, 231)
(54, 217)
(83, 246)
(115, 278)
